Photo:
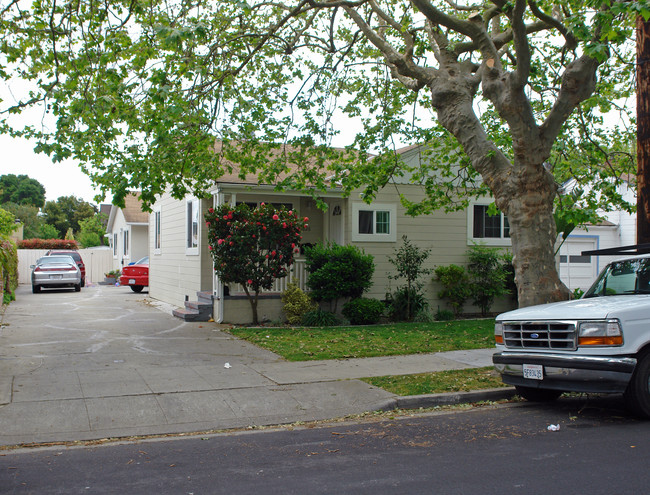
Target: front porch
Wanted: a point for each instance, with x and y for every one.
(231, 304)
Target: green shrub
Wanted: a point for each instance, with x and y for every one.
(404, 306)
(363, 311)
(9, 265)
(456, 285)
(338, 272)
(444, 315)
(320, 318)
(486, 271)
(295, 303)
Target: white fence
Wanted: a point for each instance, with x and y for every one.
(297, 273)
(98, 261)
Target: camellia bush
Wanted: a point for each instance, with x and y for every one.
(253, 247)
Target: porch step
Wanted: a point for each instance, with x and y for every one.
(200, 310)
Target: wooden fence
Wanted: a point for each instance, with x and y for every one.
(98, 261)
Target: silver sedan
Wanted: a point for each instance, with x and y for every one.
(55, 271)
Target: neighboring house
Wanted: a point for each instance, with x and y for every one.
(618, 228)
(181, 265)
(128, 231)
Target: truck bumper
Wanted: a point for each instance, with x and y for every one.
(594, 374)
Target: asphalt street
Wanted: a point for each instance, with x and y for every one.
(596, 448)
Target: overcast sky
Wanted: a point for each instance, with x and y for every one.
(59, 179)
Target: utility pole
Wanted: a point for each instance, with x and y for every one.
(643, 130)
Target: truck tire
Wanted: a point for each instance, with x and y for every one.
(532, 394)
(137, 288)
(637, 395)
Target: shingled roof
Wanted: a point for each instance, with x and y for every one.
(133, 209)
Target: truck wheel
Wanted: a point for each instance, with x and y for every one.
(537, 394)
(137, 288)
(637, 395)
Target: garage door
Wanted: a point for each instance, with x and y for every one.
(578, 271)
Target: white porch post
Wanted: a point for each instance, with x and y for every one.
(217, 286)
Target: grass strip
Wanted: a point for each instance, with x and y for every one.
(307, 343)
(464, 380)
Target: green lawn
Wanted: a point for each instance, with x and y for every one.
(306, 344)
(439, 382)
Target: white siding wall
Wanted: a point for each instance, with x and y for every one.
(172, 273)
(139, 242)
(119, 225)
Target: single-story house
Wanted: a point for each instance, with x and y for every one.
(128, 231)
(618, 228)
(181, 265)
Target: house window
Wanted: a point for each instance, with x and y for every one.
(156, 231)
(126, 243)
(486, 226)
(192, 239)
(374, 222)
(115, 244)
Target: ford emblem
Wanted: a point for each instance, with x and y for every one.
(534, 336)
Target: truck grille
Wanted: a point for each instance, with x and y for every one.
(540, 335)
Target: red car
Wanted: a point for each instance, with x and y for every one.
(136, 275)
(75, 256)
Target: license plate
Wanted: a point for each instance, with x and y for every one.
(533, 371)
(56, 277)
(131, 281)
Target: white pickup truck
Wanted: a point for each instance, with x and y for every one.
(599, 343)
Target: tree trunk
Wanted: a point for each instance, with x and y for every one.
(643, 131)
(253, 301)
(533, 234)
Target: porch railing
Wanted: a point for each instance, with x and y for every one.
(297, 273)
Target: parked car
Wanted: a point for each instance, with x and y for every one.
(55, 271)
(597, 344)
(136, 275)
(76, 256)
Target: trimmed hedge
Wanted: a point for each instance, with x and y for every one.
(48, 244)
(363, 311)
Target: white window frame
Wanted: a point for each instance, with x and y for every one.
(192, 211)
(391, 208)
(114, 246)
(157, 230)
(489, 241)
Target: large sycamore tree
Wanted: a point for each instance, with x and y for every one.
(506, 96)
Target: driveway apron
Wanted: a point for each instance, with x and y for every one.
(107, 362)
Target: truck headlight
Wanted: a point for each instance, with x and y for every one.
(600, 333)
(498, 332)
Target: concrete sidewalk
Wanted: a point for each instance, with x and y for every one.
(107, 362)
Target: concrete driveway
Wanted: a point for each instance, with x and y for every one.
(106, 362)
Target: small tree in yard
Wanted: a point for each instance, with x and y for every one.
(253, 247)
(408, 263)
(486, 270)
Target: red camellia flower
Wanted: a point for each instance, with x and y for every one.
(210, 210)
(220, 242)
(250, 282)
(275, 217)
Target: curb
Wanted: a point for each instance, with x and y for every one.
(451, 398)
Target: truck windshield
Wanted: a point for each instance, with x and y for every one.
(622, 277)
